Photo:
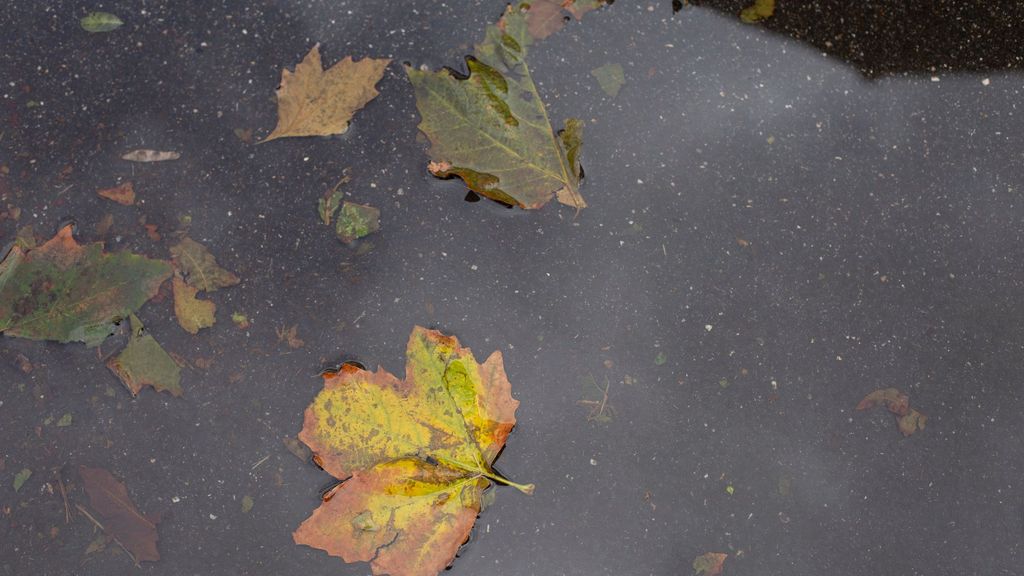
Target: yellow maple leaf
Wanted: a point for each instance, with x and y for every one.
(416, 456)
(315, 102)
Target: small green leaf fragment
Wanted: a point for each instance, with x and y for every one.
(100, 22)
(730, 490)
(660, 359)
(610, 77)
(759, 10)
(247, 504)
(356, 221)
(363, 522)
(64, 421)
(20, 478)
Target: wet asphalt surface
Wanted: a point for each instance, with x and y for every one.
(772, 234)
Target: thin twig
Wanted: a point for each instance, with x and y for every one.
(112, 537)
(64, 495)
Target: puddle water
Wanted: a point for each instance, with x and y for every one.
(771, 235)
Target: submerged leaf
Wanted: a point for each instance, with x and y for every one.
(331, 200)
(67, 292)
(21, 477)
(610, 77)
(200, 268)
(709, 564)
(143, 362)
(118, 516)
(315, 102)
(419, 452)
(143, 155)
(100, 22)
(123, 194)
(356, 221)
(548, 16)
(193, 314)
(908, 420)
(491, 129)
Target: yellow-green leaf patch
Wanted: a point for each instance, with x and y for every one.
(356, 221)
(143, 362)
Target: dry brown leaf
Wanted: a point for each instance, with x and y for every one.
(315, 102)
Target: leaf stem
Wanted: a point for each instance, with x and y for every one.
(490, 474)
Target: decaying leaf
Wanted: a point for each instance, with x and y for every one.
(25, 238)
(709, 564)
(123, 194)
(331, 200)
(491, 129)
(100, 22)
(417, 453)
(200, 268)
(356, 221)
(290, 336)
(315, 102)
(143, 362)
(298, 449)
(548, 16)
(596, 400)
(240, 320)
(908, 420)
(67, 292)
(143, 155)
(118, 516)
(610, 77)
(192, 313)
(759, 10)
(244, 134)
(104, 225)
(21, 477)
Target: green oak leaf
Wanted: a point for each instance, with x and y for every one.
(491, 128)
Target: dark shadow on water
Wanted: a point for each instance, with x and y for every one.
(895, 36)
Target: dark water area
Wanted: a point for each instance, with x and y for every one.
(772, 233)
